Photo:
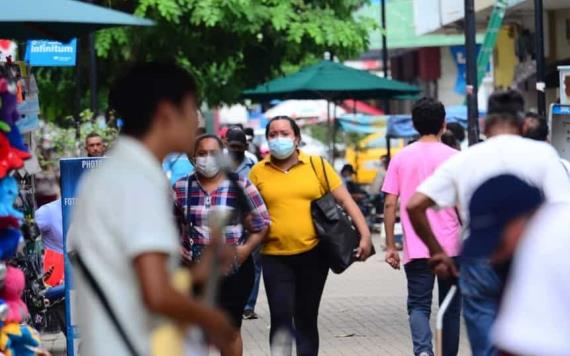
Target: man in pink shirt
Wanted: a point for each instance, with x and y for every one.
(406, 172)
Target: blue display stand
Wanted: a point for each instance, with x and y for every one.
(560, 129)
(71, 171)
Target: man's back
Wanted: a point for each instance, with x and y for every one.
(123, 211)
(406, 172)
(536, 162)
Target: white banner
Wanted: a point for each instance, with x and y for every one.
(426, 16)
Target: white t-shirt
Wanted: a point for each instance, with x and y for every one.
(124, 209)
(534, 317)
(537, 163)
(49, 221)
(251, 156)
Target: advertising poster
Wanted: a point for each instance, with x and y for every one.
(42, 53)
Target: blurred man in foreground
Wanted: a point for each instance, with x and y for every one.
(527, 241)
(123, 228)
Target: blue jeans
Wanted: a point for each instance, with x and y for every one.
(481, 288)
(252, 300)
(420, 289)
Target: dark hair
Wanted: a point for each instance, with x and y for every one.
(428, 116)
(201, 138)
(136, 95)
(506, 101)
(449, 139)
(294, 126)
(457, 130)
(502, 119)
(348, 168)
(92, 135)
(537, 128)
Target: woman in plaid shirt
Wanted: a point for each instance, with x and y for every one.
(208, 188)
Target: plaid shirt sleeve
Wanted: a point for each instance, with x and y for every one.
(260, 215)
(179, 195)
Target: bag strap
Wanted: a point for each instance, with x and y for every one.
(76, 260)
(327, 188)
(325, 172)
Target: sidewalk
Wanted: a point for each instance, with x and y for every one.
(363, 313)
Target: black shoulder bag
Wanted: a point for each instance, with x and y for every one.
(338, 236)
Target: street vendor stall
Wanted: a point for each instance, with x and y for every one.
(20, 261)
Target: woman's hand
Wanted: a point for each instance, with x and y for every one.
(364, 250)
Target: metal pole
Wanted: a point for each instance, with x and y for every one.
(333, 134)
(384, 49)
(77, 103)
(471, 68)
(330, 129)
(93, 75)
(540, 70)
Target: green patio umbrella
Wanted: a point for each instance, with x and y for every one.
(332, 81)
(59, 19)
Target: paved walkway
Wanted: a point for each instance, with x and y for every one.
(363, 313)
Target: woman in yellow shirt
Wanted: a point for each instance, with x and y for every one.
(294, 271)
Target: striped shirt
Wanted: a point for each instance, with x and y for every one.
(196, 203)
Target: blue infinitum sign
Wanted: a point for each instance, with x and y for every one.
(51, 53)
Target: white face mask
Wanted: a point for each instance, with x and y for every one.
(208, 166)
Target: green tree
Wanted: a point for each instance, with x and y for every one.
(228, 44)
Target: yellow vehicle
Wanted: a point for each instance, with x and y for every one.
(365, 157)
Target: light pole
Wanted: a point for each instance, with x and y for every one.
(539, 44)
(471, 71)
(384, 48)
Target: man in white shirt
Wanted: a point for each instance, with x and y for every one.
(49, 220)
(123, 228)
(453, 184)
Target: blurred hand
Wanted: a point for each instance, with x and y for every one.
(443, 266)
(242, 253)
(392, 258)
(219, 330)
(227, 255)
(364, 250)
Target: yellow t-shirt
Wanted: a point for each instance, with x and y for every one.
(288, 196)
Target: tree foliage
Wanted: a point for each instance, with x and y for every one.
(232, 44)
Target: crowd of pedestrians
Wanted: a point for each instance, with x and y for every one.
(489, 219)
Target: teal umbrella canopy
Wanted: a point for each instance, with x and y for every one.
(59, 19)
(332, 81)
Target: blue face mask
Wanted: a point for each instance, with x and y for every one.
(281, 147)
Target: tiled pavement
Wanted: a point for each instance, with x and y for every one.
(363, 313)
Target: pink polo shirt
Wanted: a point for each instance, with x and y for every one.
(407, 170)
